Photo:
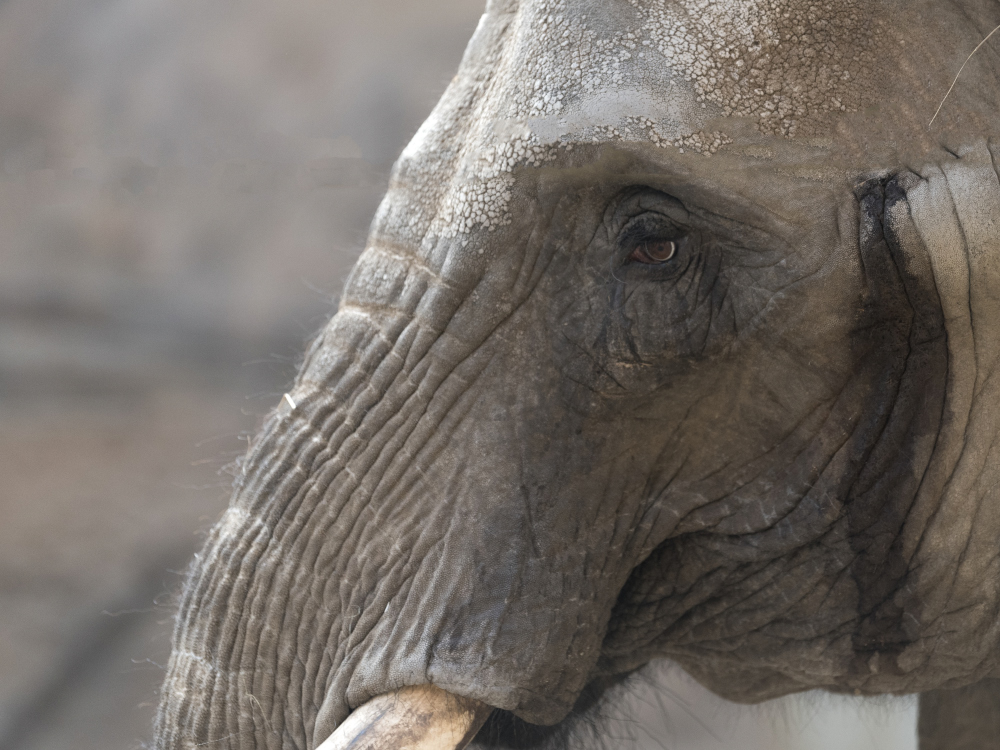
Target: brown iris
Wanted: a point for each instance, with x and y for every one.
(653, 252)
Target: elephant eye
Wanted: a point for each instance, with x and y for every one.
(653, 241)
(653, 252)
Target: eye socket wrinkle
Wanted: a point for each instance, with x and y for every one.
(645, 212)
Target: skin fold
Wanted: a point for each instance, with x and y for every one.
(675, 336)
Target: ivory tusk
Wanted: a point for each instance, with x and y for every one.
(412, 718)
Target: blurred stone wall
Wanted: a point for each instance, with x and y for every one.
(183, 187)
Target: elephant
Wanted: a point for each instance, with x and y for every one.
(675, 336)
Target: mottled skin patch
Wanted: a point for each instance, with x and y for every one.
(784, 64)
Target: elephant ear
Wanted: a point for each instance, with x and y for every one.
(948, 229)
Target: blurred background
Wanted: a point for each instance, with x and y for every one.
(184, 185)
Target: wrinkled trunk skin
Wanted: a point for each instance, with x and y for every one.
(518, 466)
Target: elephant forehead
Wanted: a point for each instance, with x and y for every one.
(786, 64)
(671, 75)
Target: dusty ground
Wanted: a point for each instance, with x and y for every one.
(183, 186)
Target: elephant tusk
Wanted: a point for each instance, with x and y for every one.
(423, 717)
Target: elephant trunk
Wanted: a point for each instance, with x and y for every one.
(277, 608)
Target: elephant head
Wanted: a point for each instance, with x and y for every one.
(675, 336)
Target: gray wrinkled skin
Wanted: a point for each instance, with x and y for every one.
(519, 463)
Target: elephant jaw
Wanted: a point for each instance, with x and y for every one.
(423, 717)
